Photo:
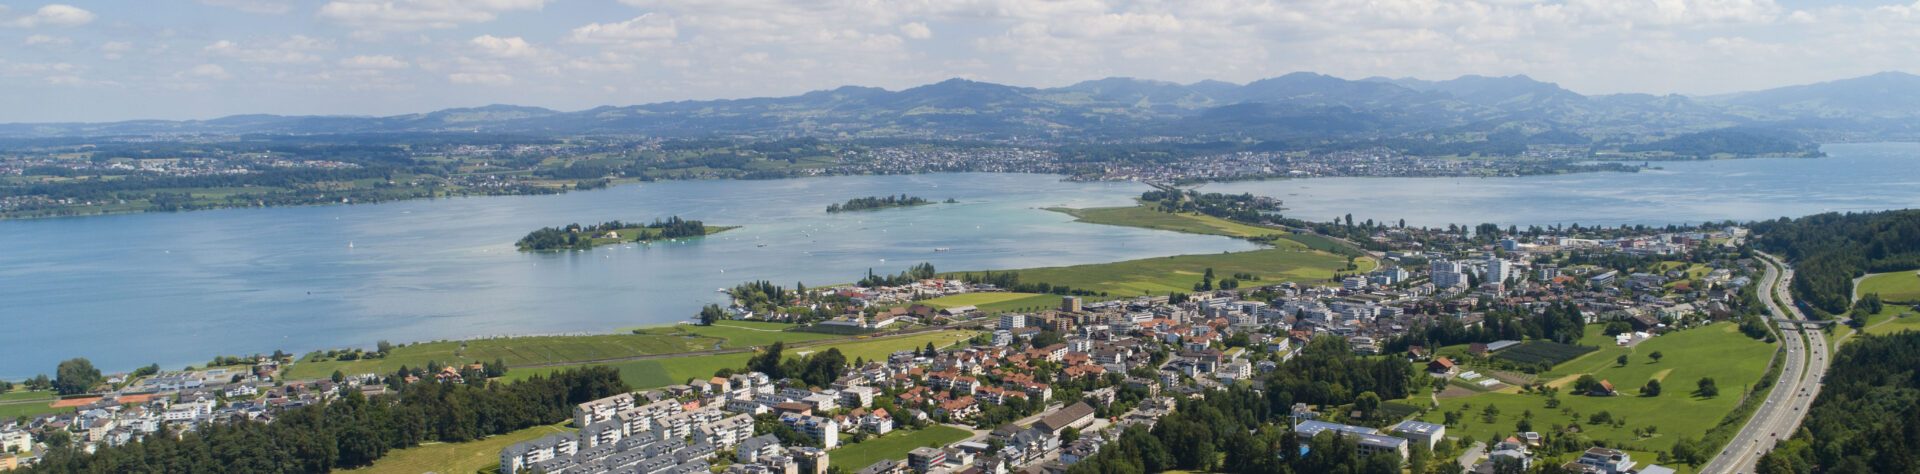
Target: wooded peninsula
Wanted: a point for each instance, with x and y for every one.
(576, 237)
(879, 202)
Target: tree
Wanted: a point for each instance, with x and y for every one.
(1707, 388)
(1367, 403)
(75, 376)
(1622, 360)
(1656, 355)
(1069, 434)
(710, 314)
(1652, 389)
(339, 377)
(1586, 383)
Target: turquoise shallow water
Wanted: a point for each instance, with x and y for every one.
(179, 288)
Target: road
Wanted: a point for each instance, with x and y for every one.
(1806, 365)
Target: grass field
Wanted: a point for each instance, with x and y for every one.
(1719, 351)
(995, 302)
(26, 395)
(645, 374)
(455, 458)
(515, 351)
(11, 411)
(893, 446)
(1893, 287)
(1192, 223)
(1180, 272)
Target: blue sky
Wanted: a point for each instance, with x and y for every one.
(198, 59)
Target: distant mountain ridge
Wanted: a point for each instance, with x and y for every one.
(1295, 106)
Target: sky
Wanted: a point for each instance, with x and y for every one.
(92, 61)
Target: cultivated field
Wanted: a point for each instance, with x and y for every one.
(995, 302)
(1179, 273)
(515, 351)
(655, 373)
(1192, 223)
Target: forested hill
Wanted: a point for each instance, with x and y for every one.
(1829, 250)
(1867, 419)
(1303, 106)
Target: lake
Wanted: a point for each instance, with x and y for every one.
(179, 288)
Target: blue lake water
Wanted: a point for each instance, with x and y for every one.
(179, 288)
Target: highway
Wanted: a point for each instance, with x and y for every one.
(1799, 383)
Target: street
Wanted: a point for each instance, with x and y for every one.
(1806, 365)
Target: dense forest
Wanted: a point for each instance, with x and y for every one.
(1829, 250)
(352, 431)
(1241, 430)
(1733, 141)
(878, 202)
(1867, 419)
(1240, 207)
(576, 237)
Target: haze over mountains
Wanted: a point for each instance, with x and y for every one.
(1302, 105)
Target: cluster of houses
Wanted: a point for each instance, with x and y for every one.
(177, 401)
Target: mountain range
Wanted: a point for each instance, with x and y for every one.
(1295, 106)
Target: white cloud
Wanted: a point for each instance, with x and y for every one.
(114, 50)
(47, 41)
(264, 7)
(415, 15)
(373, 62)
(490, 79)
(511, 47)
(211, 71)
(293, 49)
(55, 15)
(916, 30)
(645, 27)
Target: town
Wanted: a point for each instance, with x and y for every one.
(1041, 390)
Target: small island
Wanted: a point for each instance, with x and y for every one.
(870, 203)
(577, 237)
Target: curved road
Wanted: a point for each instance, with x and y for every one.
(1806, 365)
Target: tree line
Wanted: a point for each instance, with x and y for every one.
(577, 237)
(1867, 418)
(877, 202)
(1829, 250)
(1241, 430)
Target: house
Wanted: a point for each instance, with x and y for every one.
(1421, 432)
(1369, 440)
(923, 459)
(1602, 460)
(756, 448)
(826, 430)
(1442, 367)
(960, 408)
(1603, 389)
(1076, 416)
